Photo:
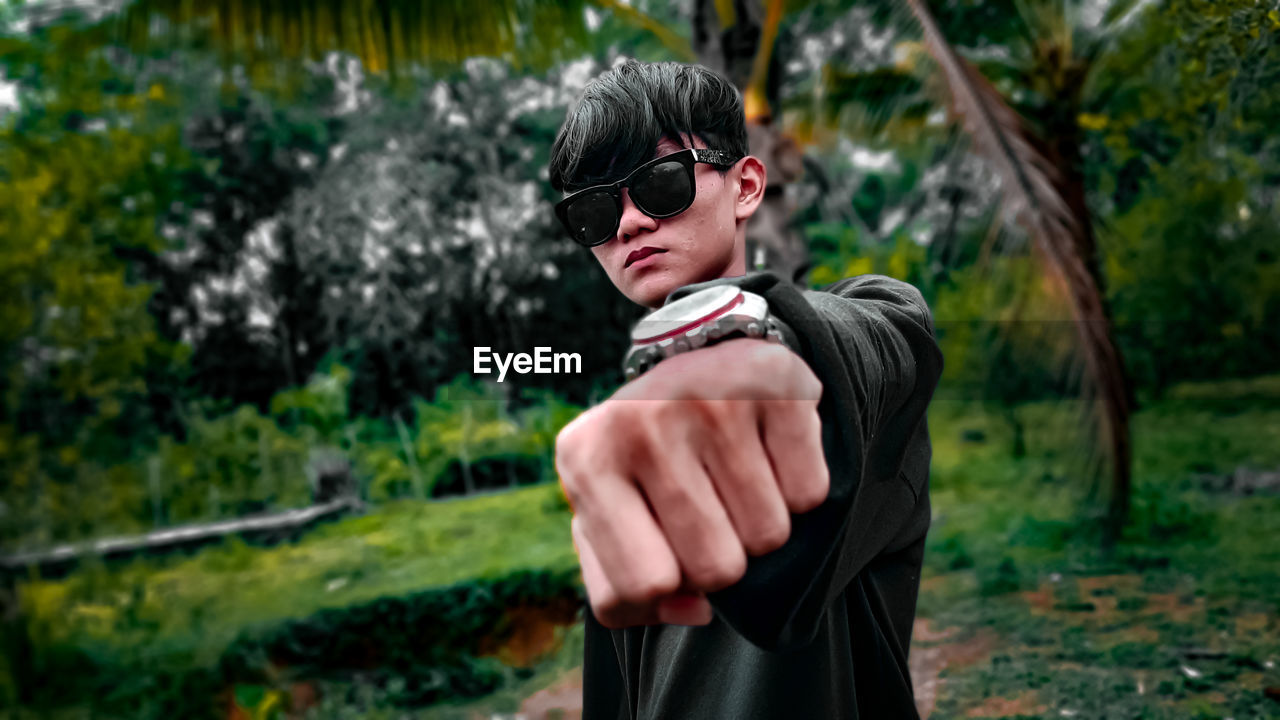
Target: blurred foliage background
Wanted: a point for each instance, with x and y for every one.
(242, 244)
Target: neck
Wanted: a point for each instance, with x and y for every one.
(738, 266)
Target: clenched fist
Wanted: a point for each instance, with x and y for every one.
(685, 472)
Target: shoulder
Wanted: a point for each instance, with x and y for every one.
(875, 286)
(882, 290)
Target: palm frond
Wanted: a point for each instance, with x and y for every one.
(1033, 189)
(1121, 13)
(680, 48)
(387, 35)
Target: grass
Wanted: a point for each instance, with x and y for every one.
(355, 701)
(1179, 620)
(187, 611)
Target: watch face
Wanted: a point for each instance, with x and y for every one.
(686, 313)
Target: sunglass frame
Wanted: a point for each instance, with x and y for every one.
(687, 157)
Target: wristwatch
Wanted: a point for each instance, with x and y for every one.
(700, 319)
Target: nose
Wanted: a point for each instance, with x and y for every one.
(633, 220)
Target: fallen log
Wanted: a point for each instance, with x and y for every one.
(273, 527)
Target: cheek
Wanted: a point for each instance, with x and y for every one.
(718, 212)
(705, 233)
(601, 256)
(719, 228)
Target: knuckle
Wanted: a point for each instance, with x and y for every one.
(608, 615)
(725, 413)
(577, 425)
(631, 426)
(641, 591)
(571, 440)
(568, 481)
(604, 601)
(804, 383)
(664, 414)
(822, 485)
(814, 424)
(783, 358)
(701, 419)
(657, 586)
(769, 538)
(671, 500)
(724, 570)
(565, 436)
(810, 379)
(813, 493)
(614, 416)
(564, 449)
(628, 589)
(571, 484)
(738, 473)
(762, 351)
(705, 411)
(638, 585)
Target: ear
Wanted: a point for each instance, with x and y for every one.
(751, 180)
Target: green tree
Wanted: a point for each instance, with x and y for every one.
(1187, 164)
(117, 206)
(84, 171)
(1029, 113)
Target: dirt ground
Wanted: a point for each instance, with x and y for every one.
(1166, 651)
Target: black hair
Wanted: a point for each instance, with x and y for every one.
(622, 114)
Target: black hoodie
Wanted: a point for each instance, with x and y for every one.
(820, 628)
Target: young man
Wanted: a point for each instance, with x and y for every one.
(750, 518)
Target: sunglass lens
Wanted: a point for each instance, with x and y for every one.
(592, 217)
(665, 190)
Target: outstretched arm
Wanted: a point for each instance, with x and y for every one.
(703, 475)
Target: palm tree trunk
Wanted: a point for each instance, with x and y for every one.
(1046, 190)
(733, 47)
(1065, 151)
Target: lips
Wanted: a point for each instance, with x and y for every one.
(641, 254)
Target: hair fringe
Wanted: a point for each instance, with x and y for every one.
(616, 123)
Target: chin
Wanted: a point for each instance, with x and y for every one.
(650, 295)
(649, 299)
(652, 290)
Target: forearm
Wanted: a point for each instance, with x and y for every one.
(878, 362)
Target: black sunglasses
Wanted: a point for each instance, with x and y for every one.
(661, 188)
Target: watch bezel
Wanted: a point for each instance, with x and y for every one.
(702, 322)
(684, 314)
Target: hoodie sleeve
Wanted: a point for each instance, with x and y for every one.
(870, 341)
